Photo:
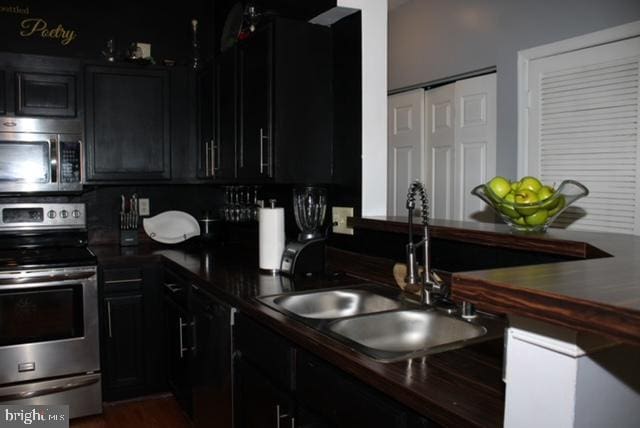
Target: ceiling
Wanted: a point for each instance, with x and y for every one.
(396, 3)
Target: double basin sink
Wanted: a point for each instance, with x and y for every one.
(383, 323)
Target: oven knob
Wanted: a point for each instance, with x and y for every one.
(51, 214)
(75, 213)
(64, 214)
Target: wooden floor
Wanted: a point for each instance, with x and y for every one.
(152, 412)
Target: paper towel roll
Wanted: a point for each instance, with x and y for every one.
(271, 237)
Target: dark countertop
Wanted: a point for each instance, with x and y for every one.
(454, 388)
(599, 293)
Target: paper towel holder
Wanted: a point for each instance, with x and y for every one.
(271, 246)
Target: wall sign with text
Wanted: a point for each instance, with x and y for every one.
(29, 26)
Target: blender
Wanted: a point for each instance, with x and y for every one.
(306, 255)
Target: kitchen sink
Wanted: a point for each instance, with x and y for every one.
(383, 323)
(335, 303)
(399, 334)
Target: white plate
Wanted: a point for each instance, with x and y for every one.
(171, 227)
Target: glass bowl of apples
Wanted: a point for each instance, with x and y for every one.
(527, 205)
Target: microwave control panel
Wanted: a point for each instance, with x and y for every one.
(70, 162)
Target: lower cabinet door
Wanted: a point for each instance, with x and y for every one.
(178, 324)
(124, 371)
(340, 400)
(259, 403)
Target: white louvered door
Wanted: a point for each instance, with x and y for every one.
(583, 124)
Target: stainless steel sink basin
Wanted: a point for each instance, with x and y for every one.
(383, 323)
(335, 303)
(407, 331)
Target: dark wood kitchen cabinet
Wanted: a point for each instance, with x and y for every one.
(3, 92)
(263, 376)
(278, 384)
(205, 96)
(46, 94)
(130, 312)
(216, 106)
(127, 126)
(39, 86)
(178, 328)
(275, 104)
(226, 115)
(198, 349)
(261, 404)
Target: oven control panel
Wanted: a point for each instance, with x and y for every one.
(42, 216)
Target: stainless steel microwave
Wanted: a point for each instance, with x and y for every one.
(40, 155)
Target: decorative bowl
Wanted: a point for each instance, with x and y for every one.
(534, 217)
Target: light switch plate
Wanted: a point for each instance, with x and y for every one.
(143, 207)
(339, 220)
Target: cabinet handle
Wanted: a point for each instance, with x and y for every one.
(193, 332)
(241, 145)
(214, 150)
(123, 281)
(281, 416)
(206, 159)
(216, 158)
(262, 157)
(180, 326)
(174, 288)
(109, 318)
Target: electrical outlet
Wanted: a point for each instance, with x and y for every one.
(339, 219)
(143, 207)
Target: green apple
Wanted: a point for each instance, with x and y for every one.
(545, 192)
(538, 218)
(500, 186)
(520, 221)
(559, 204)
(526, 197)
(515, 186)
(507, 206)
(547, 201)
(530, 183)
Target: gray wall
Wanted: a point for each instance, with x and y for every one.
(434, 39)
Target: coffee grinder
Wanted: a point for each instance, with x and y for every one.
(306, 255)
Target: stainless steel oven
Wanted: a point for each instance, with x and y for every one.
(40, 155)
(49, 334)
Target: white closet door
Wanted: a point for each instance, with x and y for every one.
(440, 153)
(475, 144)
(405, 146)
(583, 124)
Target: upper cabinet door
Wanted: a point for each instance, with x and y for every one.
(127, 124)
(46, 94)
(224, 157)
(255, 154)
(3, 97)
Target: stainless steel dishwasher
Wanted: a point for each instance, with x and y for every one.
(212, 368)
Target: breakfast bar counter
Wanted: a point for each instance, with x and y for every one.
(596, 292)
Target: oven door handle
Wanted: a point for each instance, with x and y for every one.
(46, 279)
(50, 390)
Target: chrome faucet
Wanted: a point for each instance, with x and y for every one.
(433, 289)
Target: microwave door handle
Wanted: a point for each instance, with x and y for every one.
(53, 148)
